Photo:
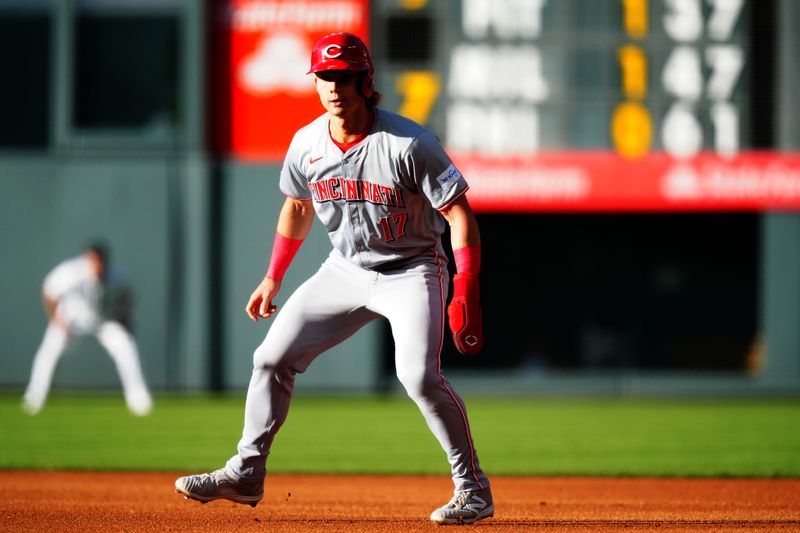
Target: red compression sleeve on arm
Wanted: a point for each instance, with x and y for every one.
(468, 261)
(464, 312)
(283, 251)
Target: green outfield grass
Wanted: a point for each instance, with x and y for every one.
(515, 436)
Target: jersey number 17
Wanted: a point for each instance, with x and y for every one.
(393, 226)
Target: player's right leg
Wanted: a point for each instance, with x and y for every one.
(323, 312)
(52, 346)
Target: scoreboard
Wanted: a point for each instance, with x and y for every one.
(591, 105)
(544, 105)
(595, 74)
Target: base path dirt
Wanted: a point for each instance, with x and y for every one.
(145, 502)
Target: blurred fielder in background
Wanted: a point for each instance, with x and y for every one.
(72, 295)
(385, 190)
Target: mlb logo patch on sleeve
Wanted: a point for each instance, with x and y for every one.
(450, 175)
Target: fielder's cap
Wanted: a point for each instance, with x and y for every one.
(340, 51)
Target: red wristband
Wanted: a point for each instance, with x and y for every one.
(468, 259)
(283, 251)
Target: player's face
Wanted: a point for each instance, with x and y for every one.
(96, 263)
(338, 92)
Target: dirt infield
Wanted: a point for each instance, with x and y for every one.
(142, 502)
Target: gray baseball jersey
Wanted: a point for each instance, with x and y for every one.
(378, 199)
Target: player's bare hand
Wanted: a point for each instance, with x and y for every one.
(260, 303)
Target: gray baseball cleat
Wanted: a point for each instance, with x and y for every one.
(465, 507)
(218, 486)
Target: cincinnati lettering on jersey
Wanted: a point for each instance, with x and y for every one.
(332, 189)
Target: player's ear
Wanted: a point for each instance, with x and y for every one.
(368, 87)
(366, 83)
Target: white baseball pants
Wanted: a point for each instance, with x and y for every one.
(327, 309)
(119, 344)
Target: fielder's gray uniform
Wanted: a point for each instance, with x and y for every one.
(378, 202)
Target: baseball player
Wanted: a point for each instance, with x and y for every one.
(72, 293)
(384, 188)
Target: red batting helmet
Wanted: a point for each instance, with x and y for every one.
(343, 51)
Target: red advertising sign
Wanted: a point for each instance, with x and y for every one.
(581, 181)
(262, 53)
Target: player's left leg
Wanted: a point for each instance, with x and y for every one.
(122, 348)
(414, 304)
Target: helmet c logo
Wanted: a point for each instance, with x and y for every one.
(332, 51)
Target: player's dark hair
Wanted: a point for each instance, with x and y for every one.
(100, 249)
(372, 101)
